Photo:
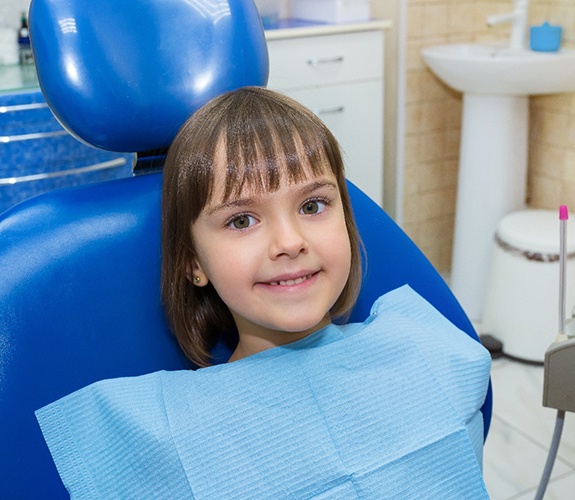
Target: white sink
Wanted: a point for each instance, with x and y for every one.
(484, 69)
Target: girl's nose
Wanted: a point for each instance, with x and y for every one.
(288, 240)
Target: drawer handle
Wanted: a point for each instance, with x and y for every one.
(330, 111)
(118, 162)
(325, 60)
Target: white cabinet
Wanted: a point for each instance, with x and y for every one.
(339, 76)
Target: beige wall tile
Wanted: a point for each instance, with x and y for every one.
(432, 146)
(567, 195)
(548, 160)
(569, 171)
(545, 192)
(411, 152)
(431, 87)
(435, 19)
(461, 18)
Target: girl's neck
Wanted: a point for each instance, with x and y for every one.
(253, 342)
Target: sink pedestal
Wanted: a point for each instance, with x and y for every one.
(492, 183)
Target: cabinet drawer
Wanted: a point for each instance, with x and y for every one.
(354, 114)
(320, 60)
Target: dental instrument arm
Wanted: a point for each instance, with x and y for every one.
(559, 375)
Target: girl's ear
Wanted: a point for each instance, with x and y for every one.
(195, 275)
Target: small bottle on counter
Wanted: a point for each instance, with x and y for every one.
(25, 50)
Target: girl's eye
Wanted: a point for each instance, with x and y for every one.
(313, 207)
(242, 221)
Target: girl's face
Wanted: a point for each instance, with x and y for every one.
(279, 260)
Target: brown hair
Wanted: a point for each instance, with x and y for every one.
(265, 135)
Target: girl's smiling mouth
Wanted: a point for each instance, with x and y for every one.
(290, 281)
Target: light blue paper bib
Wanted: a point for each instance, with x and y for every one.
(385, 409)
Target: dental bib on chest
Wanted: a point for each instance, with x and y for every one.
(387, 408)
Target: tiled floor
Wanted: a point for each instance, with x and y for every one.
(521, 430)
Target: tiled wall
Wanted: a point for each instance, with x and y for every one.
(552, 138)
(433, 121)
(40, 156)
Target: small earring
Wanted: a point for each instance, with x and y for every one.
(197, 279)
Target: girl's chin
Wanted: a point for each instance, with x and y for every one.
(302, 329)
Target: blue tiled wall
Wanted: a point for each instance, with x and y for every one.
(30, 165)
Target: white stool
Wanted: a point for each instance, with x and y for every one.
(522, 302)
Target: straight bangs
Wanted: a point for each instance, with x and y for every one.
(283, 143)
(277, 147)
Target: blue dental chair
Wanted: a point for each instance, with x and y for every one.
(79, 268)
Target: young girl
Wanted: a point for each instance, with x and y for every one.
(257, 222)
(258, 235)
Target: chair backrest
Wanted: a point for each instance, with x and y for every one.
(79, 268)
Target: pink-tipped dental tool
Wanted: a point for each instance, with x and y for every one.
(563, 216)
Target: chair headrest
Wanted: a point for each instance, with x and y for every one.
(124, 76)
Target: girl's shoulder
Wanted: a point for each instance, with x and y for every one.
(96, 429)
(415, 318)
(404, 321)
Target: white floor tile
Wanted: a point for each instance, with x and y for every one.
(512, 463)
(521, 430)
(517, 400)
(562, 488)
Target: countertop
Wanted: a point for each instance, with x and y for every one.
(292, 28)
(18, 78)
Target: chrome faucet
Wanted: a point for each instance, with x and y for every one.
(518, 20)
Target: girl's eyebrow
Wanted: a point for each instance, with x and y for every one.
(237, 203)
(240, 203)
(317, 184)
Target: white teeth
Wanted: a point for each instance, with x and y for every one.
(297, 281)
